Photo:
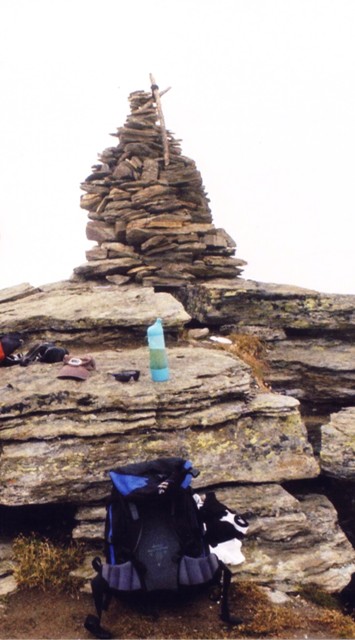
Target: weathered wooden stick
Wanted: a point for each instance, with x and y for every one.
(162, 93)
(156, 95)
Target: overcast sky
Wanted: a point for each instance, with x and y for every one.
(262, 97)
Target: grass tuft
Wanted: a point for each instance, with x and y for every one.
(313, 593)
(252, 351)
(263, 618)
(41, 563)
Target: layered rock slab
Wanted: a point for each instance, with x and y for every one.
(315, 371)
(290, 541)
(243, 303)
(87, 314)
(337, 455)
(309, 335)
(60, 437)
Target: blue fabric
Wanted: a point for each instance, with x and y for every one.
(125, 484)
(112, 551)
(187, 480)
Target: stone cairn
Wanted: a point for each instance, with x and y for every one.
(148, 210)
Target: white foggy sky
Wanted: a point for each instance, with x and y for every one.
(262, 97)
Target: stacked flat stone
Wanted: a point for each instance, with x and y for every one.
(151, 218)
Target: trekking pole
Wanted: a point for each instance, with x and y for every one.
(225, 614)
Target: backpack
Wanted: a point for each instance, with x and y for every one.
(155, 538)
(8, 343)
(41, 352)
(44, 352)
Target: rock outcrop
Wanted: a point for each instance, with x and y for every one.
(87, 314)
(262, 436)
(291, 541)
(60, 437)
(246, 303)
(309, 336)
(76, 432)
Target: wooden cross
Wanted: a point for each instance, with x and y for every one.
(156, 96)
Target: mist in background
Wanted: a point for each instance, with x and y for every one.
(262, 98)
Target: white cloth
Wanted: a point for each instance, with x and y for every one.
(229, 552)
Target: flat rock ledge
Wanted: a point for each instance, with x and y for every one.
(244, 302)
(60, 437)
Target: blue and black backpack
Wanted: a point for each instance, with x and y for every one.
(155, 539)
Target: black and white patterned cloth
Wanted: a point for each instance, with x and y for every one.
(224, 529)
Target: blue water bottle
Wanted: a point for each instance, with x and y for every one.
(157, 354)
